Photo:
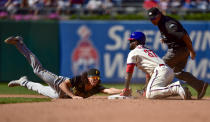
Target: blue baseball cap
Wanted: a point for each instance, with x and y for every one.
(138, 36)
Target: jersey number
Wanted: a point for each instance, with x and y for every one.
(150, 53)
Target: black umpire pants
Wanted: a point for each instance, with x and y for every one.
(177, 60)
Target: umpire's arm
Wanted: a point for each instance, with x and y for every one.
(188, 42)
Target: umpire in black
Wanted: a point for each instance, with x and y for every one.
(179, 48)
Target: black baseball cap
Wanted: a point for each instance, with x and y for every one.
(153, 12)
(93, 72)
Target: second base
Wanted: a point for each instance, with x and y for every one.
(117, 96)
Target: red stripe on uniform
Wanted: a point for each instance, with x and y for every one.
(130, 68)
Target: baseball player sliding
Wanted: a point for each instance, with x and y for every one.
(159, 75)
(78, 87)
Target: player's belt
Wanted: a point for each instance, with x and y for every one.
(161, 65)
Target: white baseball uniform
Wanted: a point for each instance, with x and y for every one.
(161, 75)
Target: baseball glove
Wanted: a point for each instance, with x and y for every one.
(141, 92)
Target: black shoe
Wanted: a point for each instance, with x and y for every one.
(13, 40)
(188, 94)
(203, 91)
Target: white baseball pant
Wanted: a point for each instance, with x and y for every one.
(159, 85)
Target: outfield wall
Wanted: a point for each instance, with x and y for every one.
(70, 47)
(41, 37)
(103, 44)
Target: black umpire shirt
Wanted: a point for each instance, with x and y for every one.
(172, 32)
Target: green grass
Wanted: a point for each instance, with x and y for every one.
(7, 100)
(139, 16)
(4, 89)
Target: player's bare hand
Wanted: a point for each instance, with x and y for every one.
(126, 92)
(192, 55)
(162, 40)
(77, 97)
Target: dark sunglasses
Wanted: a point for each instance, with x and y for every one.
(155, 17)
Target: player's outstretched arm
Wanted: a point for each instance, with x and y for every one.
(111, 91)
(65, 87)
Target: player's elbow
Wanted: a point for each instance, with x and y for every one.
(61, 85)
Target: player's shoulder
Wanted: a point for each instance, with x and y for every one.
(171, 22)
(131, 53)
(168, 18)
(137, 50)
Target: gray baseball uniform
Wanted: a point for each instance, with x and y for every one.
(51, 79)
(53, 90)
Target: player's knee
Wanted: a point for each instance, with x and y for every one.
(149, 95)
(153, 95)
(37, 70)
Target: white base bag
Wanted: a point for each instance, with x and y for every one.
(117, 96)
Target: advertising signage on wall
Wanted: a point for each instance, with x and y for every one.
(104, 45)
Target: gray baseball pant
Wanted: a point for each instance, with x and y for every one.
(51, 79)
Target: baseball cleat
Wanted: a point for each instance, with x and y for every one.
(203, 91)
(19, 82)
(185, 93)
(13, 40)
(141, 92)
(188, 94)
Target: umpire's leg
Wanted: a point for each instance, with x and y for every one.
(177, 59)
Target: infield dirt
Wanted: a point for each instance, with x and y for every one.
(100, 109)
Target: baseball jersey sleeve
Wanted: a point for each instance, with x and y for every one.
(75, 81)
(132, 59)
